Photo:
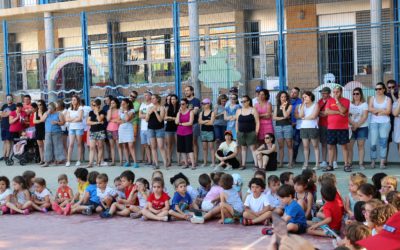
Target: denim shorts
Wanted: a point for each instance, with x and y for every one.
(169, 133)
(144, 137)
(196, 130)
(360, 134)
(284, 132)
(78, 132)
(207, 136)
(156, 133)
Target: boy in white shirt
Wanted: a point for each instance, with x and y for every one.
(106, 194)
(256, 207)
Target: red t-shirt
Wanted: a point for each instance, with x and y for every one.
(338, 121)
(323, 121)
(335, 210)
(17, 126)
(64, 192)
(128, 191)
(159, 203)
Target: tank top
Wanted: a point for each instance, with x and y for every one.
(247, 123)
(52, 128)
(39, 126)
(184, 130)
(309, 123)
(154, 123)
(380, 118)
(171, 125)
(113, 126)
(206, 118)
(279, 113)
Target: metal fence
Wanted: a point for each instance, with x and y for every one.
(211, 45)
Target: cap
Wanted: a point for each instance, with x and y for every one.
(237, 182)
(228, 132)
(234, 89)
(325, 90)
(259, 88)
(206, 101)
(388, 237)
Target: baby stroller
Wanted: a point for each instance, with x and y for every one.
(25, 151)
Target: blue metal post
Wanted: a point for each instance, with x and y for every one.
(340, 58)
(6, 58)
(85, 45)
(280, 7)
(177, 49)
(396, 40)
(110, 42)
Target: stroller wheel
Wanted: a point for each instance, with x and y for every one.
(9, 162)
(22, 162)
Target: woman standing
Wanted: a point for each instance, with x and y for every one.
(220, 123)
(206, 120)
(247, 125)
(155, 118)
(97, 133)
(380, 107)
(170, 128)
(264, 109)
(53, 147)
(283, 126)
(230, 115)
(184, 120)
(60, 106)
(112, 130)
(125, 132)
(74, 118)
(396, 129)
(308, 114)
(40, 128)
(358, 119)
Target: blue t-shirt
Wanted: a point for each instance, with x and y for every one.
(295, 103)
(296, 213)
(202, 192)
(183, 202)
(193, 104)
(92, 190)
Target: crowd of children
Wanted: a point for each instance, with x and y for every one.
(363, 212)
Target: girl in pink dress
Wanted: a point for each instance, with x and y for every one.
(264, 109)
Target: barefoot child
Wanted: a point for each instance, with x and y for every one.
(64, 195)
(41, 196)
(5, 194)
(256, 206)
(158, 202)
(20, 201)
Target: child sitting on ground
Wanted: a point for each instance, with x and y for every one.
(105, 193)
(20, 201)
(89, 201)
(192, 191)
(256, 207)
(41, 197)
(158, 202)
(119, 188)
(303, 196)
(142, 187)
(181, 202)
(81, 175)
(287, 178)
(5, 194)
(380, 215)
(272, 196)
(63, 196)
(368, 207)
(261, 175)
(205, 186)
(293, 214)
(353, 233)
(212, 197)
(393, 198)
(231, 205)
(356, 180)
(388, 183)
(29, 177)
(366, 192)
(331, 215)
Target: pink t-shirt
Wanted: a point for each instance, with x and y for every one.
(17, 126)
(113, 126)
(214, 193)
(184, 130)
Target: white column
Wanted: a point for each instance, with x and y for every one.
(49, 42)
(194, 46)
(376, 41)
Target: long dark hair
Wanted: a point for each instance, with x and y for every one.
(177, 105)
(21, 181)
(44, 106)
(278, 98)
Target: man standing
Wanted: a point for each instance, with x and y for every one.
(295, 101)
(5, 126)
(393, 94)
(194, 104)
(144, 135)
(337, 109)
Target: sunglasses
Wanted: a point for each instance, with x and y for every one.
(267, 138)
(376, 89)
(204, 103)
(133, 96)
(244, 101)
(390, 87)
(183, 103)
(356, 93)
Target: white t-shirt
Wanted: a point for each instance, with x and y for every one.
(256, 204)
(356, 112)
(4, 195)
(108, 192)
(142, 200)
(42, 195)
(144, 107)
(75, 114)
(273, 200)
(192, 192)
(227, 148)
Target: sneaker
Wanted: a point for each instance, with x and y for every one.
(68, 164)
(26, 211)
(335, 165)
(316, 168)
(228, 167)
(203, 165)
(166, 218)
(88, 210)
(136, 165)
(267, 231)
(323, 164)
(362, 167)
(218, 168)
(105, 215)
(229, 221)
(304, 167)
(212, 165)
(127, 164)
(197, 220)
(104, 164)
(135, 215)
(383, 166)
(78, 163)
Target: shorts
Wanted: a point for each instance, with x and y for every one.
(135, 130)
(156, 133)
(6, 135)
(207, 136)
(309, 133)
(78, 132)
(93, 204)
(284, 132)
(246, 139)
(360, 134)
(207, 206)
(184, 143)
(169, 133)
(112, 135)
(196, 130)
(144, 137)
(99, 135)
(338, 136)
(301, 228)
(219, 132)
(323, 135)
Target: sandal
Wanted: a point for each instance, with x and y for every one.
(328, 169)
(90, 165)
(242, 168)
(112, 164)
(347, 169)
(185, 167)
(194, 168)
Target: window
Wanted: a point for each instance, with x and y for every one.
(136, 48)
(221, 38)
